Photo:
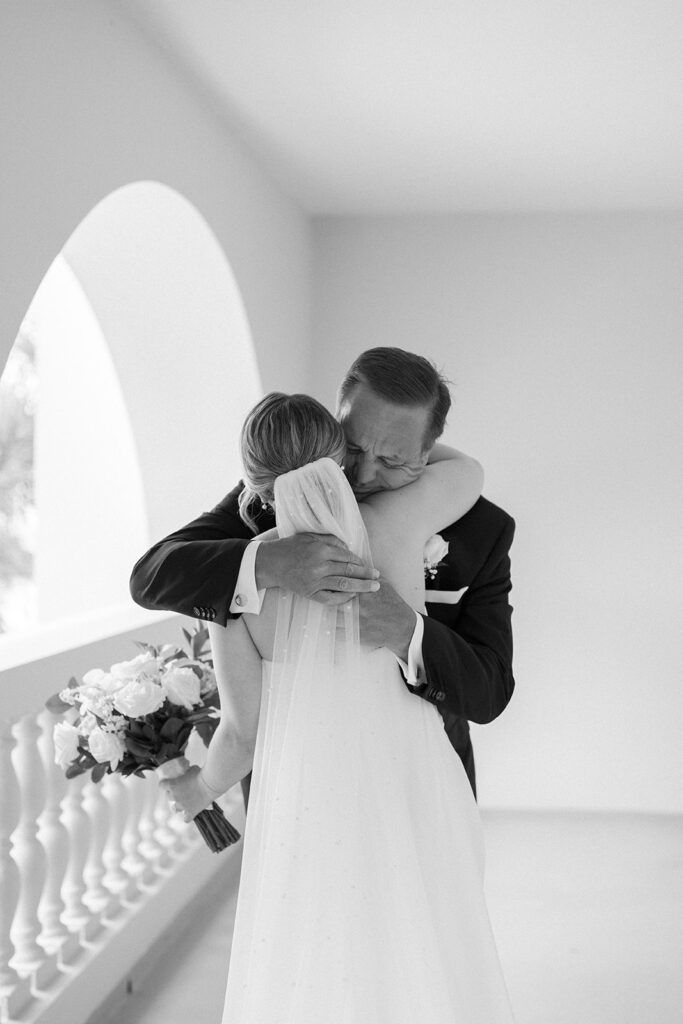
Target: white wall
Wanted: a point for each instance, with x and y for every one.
(88, 105)
(91, 522)
(563, 336)
(175, 323)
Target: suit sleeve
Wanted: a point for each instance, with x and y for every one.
(196, 567)
(470, 664)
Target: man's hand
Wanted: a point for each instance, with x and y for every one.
(386, 621)
(315, 565)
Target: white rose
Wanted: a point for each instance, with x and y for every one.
(435, 550)
(106, 746)
(182, 687)
(66, 744)
(144, 665)
(139, 697)
(94, 677)
(208, 681)
(112, 684)
(103, 683)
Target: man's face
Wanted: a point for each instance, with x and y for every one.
(383, 441)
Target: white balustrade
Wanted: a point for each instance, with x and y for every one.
(55, 937)
(78, 916)
(116, 878)
(150, 847)
(76, 855)
(30, 958)
(97, 896)
(14, 991)
(134, 864)
(170, 838)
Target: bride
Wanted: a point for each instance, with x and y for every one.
(361, 893)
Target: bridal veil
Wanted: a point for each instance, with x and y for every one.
(361, 897)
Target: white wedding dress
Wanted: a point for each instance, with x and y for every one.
(361, 895)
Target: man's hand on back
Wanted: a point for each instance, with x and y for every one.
(386, 621)
(315, 565)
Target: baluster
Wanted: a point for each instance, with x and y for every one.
(15, 991)
(134, 864)
(54, 937)
(97, 896)
(77, 915)
(150, 848)
(171, 838)
(187, 834)
(116, 879)
(30, 958)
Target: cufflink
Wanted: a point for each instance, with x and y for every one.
(240, 600)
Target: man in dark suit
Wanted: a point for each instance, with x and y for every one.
(392, 407)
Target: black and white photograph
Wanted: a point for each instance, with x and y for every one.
(341, 435)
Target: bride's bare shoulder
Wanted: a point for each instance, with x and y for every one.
(383, 516)
(378, 532)
(396, 551)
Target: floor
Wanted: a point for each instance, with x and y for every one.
(587, 910)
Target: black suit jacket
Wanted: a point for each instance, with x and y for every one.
(467, 647)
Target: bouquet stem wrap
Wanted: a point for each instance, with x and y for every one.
(213, 826)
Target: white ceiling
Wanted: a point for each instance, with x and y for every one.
(361, 106)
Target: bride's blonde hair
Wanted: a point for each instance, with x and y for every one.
(281, 433)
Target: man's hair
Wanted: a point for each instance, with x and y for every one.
(282, 433)
(403, 378)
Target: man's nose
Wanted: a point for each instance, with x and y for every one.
(365, 470)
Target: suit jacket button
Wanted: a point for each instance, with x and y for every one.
(197, 611)
(440, 695)
(211, 614)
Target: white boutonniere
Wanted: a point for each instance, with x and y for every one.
(435, 551)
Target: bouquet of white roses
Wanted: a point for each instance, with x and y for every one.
(139, 715)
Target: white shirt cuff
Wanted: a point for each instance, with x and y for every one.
(414, 670)
(246, 598)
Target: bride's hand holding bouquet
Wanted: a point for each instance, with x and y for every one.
(138, 716)
(188, 790)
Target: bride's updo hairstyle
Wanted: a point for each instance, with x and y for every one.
(282, 433)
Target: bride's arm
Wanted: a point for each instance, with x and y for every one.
(237, 665)
(230, 754)
(448, 487)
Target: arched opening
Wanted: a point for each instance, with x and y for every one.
(133, 371)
